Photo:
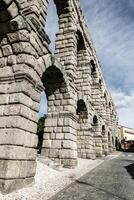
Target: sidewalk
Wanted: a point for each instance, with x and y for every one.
(49, 181)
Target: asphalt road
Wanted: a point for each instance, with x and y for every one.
(112, 180)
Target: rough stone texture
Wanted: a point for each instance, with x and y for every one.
(81, 121)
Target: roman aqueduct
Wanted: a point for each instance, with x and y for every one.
(81, 120)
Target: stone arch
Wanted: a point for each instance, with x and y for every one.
(105, 96)
(103, 128)
(52, 80)
(100, 81)
(82, 111)
(51, 61)
(93, 67)
(97, 133)
(95, 120)
(80, 41)
(81, 108)
(59, 142)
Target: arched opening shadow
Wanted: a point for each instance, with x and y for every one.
(130, 170)
(81, 110)
(52, 80)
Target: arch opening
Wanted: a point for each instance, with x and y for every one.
(103, 128)
(95, 120)
(52, 80)
(81, 109)
(100, 82)
(113, 141)
(80, 42)
(109, 139)
(93, 67)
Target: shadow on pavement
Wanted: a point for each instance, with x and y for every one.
(129, 151)
(130, 170)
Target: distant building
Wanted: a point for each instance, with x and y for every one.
(127, 138)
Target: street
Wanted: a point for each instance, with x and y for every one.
(112, 180)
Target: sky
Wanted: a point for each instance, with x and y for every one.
(111, 24)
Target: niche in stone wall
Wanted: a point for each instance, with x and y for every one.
(100, 82)
(80, 42)
(103, 130)
(113, 141)
(93, 67)
(80, 48)
(95, 120)
(82, 111)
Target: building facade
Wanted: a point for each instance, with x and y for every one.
(81, 120)
(127, 138)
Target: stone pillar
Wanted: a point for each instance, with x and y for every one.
(85, 141)
(83, 75)
(61, 104)
(110, 146)
(59, 143)
(96, 100)
(19, 102)
(83, 85)
(97, 135)
(66, 38)
(108, 115)
(104, 117)
(19, 98)
(105, 150)
(60, 134)
(84, 133)
(97, 141)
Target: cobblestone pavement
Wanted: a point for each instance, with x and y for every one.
(112, 180)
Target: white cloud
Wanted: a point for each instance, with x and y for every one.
(112, 29)
(125, 107)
